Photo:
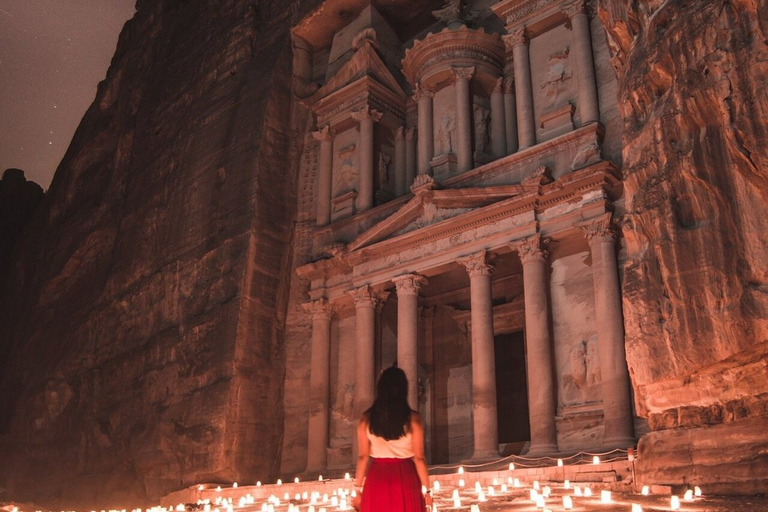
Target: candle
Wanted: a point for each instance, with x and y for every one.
(674, 503)
(296, 480)
(511, 466)
(481, 496)
(461, 482)
(560, 462)
(587, 492)
(688, 496)
(636, 508)
(540, 503)
(320, 478)
(346, 476)
(234, 485)
(595, 460)
(697, 491)
(577, 491)
(567, 503)
(605, 496)
(567, 484)
(436, 486)
(646, 491)
(536, 484)
(279, 482)
(218, 488)
(461, 470)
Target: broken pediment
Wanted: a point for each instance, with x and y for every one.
(429, 207)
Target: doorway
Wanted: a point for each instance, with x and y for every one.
(512, 388)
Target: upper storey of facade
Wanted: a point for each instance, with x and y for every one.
(478, 96)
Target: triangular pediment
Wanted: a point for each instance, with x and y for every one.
(366, 61)
(430, 207)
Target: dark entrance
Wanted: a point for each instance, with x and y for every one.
(512, 389)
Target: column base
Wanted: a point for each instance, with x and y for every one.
(542, 450)
(613, 443)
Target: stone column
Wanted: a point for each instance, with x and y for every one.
(589, 110)
(319, 384)
(462, 76)
(510, 115)
(526, 122)
(325, 137)
(366, 302)
(366, 117)
(541, 379)
(410, 157)
(484, 413)
(498, 120)
(400, 163)
(408, 331)
(426, 127)
(617, 408)
(302, 67)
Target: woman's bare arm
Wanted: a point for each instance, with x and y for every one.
(417, 434)
(363, 451)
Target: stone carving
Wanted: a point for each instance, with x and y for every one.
(346, 177)
(450, 14)
(586, 155)
(600, 231)
(319, 309)
(446, 133)
(367, 113)
(344, 407)
(409, 284)
(382, 170)
(533, 249)
(423, 182)
(323, 133)
(476, 264)
(515, 38)
(584, 364)
(557, 76)
(482, 117)
(367, 34)
(365, 297)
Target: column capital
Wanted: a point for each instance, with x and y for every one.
(515, 38)
(409, 284)
(476, 264)
(420, 91)
(600, 230)
(367, 297)
(400, 133)
(575, 8)
(465, 73)
(533, 249)
(509, 85)
(323, 133)
(320, 309)
(367, 113)
(410, 134)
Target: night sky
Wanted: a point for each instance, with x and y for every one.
(53, 53)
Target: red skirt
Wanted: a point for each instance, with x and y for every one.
(392, 485)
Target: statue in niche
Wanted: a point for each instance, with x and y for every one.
(383, 170)
(482, 116)
(344, 179)
(344, 406)
(557, 75)
(585, 370)
(446, 133)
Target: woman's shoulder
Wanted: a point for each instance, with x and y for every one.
(415, 418)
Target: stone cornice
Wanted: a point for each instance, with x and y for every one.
(536, 15)
(323, 133)
(366, 91)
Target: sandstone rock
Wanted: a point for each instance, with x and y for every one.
(144, 312)
(692, 77)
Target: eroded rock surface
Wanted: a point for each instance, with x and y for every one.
(692, 87)
(144, 315)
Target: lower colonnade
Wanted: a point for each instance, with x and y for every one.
(404, 287)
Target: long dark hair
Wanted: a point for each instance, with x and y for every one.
(390, 414)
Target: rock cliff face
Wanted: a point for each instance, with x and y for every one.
(144, 315)
(692, 87)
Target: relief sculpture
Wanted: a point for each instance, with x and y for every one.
(584, 373)
(446, 133)
(557, 76)
(482, 139)
(344, 179)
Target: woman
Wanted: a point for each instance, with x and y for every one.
(392, 436)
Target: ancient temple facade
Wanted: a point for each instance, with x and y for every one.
(458, 190)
